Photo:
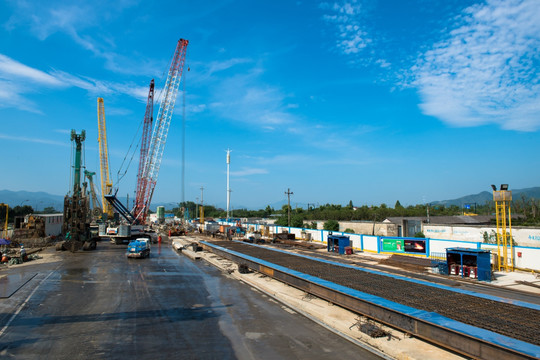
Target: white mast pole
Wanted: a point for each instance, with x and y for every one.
(228, 188)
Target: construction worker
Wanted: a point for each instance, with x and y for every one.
(24, 257)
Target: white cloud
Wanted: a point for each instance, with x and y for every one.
(244, 98)
(194, 109)
(352, 37)
(281, 159)
(12, 69)
(216, 66)
(17, 79)
(43, 19)
(486, 70)
(249, 171)
(33, 140)
(10, 96)
(62, 131)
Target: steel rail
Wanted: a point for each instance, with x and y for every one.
(447, 333)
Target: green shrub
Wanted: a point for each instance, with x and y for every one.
(331, 225)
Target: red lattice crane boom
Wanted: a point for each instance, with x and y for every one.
(139, 210)
(163, 121)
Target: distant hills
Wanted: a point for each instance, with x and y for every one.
(486, 196)
(37, 200)
(40, 200)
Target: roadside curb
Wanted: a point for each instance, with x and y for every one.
(180, 246)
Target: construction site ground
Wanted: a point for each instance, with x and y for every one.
(357, 328)
(354, 327)
(164, 306)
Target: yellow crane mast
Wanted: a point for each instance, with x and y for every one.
(106, 183)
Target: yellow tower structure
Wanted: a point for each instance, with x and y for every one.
(503, 200)
(106, 183)
(5, 230)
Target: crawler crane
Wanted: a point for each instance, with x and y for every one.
(106, 183)
(152, 150)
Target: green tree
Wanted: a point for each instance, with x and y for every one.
(282, 220)
(16, 211)
(191, 207)
(331, 225)
(349, 230)
(297, 221)
(49, 210)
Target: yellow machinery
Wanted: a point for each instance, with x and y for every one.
(5, 230)
(503, 199)
(106, 183)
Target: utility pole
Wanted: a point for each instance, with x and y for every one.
(202, 207)
(289, 193)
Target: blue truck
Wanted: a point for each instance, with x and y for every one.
(139, 248)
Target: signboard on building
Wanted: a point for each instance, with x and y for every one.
(393, 245)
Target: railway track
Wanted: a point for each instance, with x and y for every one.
(481, 312)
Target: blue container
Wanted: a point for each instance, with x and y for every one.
(469, 262)
(443, 268)
(338, 243)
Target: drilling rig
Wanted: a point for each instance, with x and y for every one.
(97, 212)
(76, 226)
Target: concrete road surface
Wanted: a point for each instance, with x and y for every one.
(101, 305)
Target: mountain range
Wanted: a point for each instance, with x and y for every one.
(40, 200)
(486, 196)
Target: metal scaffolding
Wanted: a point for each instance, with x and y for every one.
(503, 199)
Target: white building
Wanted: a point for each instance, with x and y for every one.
(53, 223)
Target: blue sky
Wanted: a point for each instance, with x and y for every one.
(369, 101)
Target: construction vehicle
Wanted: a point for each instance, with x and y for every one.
(139, 248)
(152, 147)
(106, 183)
(123, 233)
(139, 210)
(118, 233)
(76, 226)
(97, 211)
(28, 227)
